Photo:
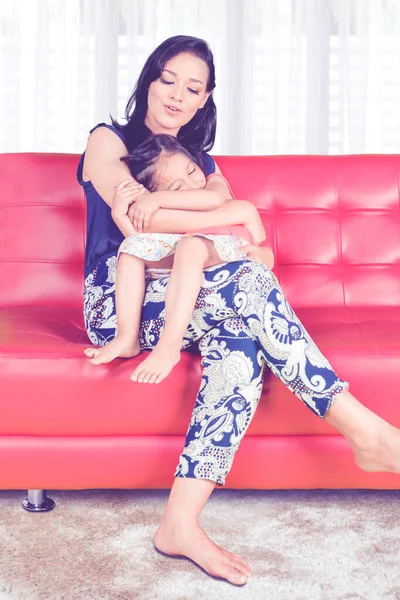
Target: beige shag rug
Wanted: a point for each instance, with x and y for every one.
(302, 545)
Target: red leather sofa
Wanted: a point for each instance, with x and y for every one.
(334, 223)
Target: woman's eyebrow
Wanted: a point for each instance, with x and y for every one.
(190, 78)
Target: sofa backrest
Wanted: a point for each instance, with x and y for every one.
(42, 230)
(333, 222)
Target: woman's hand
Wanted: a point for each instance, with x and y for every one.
(140, 213)
(261, 254)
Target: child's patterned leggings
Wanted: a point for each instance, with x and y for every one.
(241, 323)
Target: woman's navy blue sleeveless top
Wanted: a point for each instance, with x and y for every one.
(103, 237)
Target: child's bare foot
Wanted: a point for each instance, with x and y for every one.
(119, 347)
(157, 365)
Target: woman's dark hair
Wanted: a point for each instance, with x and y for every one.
(199, 134)
(142, 160)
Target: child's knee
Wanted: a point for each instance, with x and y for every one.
(128, 258)
(192, 248)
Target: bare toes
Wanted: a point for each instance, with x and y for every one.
(142, 377)
(241, 566)
(147, 377)
(135, 375)
(95, 361)
(90, 351)
(233, 575)
(236, 556)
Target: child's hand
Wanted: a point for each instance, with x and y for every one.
(142, 210)
(126, 193)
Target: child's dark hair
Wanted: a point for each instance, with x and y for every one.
(199, 134)
(142, 160)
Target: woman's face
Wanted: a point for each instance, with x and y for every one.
(178, 172)
(176, 96)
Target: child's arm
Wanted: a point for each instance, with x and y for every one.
(213, 195)
(204, 199)
(210, 198)
(124, 225)
(254, 224)
(255, 227)
(182, 221)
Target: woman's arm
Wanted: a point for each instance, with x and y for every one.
(218, 183)
(102, 165)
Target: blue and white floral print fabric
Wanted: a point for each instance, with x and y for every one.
(241, 323)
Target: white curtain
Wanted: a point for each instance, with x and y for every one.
(293, 76)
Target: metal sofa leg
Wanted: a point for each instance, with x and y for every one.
(37, 501)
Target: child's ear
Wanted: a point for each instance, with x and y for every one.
(206, 97)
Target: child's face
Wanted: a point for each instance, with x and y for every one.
(178, 172)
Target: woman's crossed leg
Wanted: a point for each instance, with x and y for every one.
(246, 297)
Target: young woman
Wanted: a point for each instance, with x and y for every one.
(246, 306)
(161, 164)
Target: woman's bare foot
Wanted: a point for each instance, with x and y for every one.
(375, 442)
(189, 540)
(157, 365)
(381, 453)
(119, 347)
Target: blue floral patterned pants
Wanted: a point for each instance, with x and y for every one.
(241, 324)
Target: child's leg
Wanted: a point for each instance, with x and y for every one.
(129, 294)
(193, 254)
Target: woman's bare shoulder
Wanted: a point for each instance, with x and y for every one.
(103, 147)
(217, 169)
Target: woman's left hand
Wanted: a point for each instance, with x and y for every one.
(261, 254)
(142, 210)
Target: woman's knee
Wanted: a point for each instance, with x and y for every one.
(259, 274)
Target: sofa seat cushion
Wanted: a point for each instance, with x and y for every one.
(41, 357)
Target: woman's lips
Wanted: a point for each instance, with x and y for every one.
(171, 111)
